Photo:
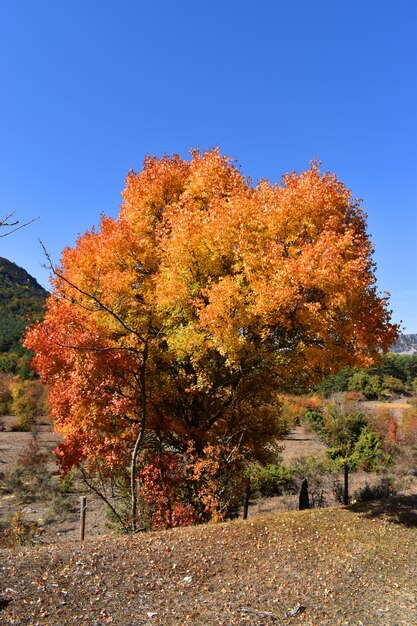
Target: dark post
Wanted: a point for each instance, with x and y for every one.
(304, 502)
(346, 489)
(83, 506)
(246, 498)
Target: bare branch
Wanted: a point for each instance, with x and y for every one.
(101, 495)
(4, 223)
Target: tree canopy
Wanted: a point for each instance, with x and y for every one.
(174, 327)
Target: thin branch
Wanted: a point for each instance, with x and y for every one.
(102, 306)
(102, 496)
(13, 225)
(94, 349)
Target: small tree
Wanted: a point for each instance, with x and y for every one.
(368, 454)
(29, 402)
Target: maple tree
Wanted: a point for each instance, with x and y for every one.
(174, 327)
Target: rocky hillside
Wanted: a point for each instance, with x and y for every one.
(20, 293)
(406, 344)
(21, 299)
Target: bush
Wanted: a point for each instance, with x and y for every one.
(368, 454)
(30, 479)
(20, 531)
(363, 382)
(5, 398)
(24, 424)
(61, 505)
(8, 362)
(315, 418)
(314, 468)
(384, 489)
(338, 456)
(409, 427)
(392, 386)
(271, 480)
(29, 402)
(342, 428)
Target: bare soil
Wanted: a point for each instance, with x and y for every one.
(12, 443)
(57, 524)
(301, 442)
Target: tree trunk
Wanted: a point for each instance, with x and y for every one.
(133, 488)
(138, 442)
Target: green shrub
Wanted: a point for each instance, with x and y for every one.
(271, 480)
(366, 383)
(368, 454)
(343, 428)
(315, 418)
(61, 506)
(315, 469)
(338, 455)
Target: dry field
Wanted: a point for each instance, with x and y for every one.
(56, 525)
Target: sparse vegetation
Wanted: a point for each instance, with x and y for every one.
(20, 531)
(383, 489)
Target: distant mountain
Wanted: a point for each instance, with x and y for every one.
(406, 344)
(22, 300)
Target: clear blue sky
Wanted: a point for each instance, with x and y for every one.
(88, 87)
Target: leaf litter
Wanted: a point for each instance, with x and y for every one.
(332, 566)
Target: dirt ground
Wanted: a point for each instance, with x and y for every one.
(334, 567)
(299, 443)
(12, 443)
(57, 526)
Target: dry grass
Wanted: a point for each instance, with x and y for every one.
(301, 442)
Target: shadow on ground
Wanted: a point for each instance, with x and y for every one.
(398, 509)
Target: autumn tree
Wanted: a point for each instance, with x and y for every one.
(172, 329)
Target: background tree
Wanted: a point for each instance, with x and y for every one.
(173, 328)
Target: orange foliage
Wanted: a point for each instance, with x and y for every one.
(163, 478)
(203, 299)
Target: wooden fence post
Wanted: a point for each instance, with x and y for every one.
(346, 489)
(83, 506)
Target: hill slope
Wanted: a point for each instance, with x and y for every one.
(20, 293)
(21, 299)
(343, 566)
(405, 344)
